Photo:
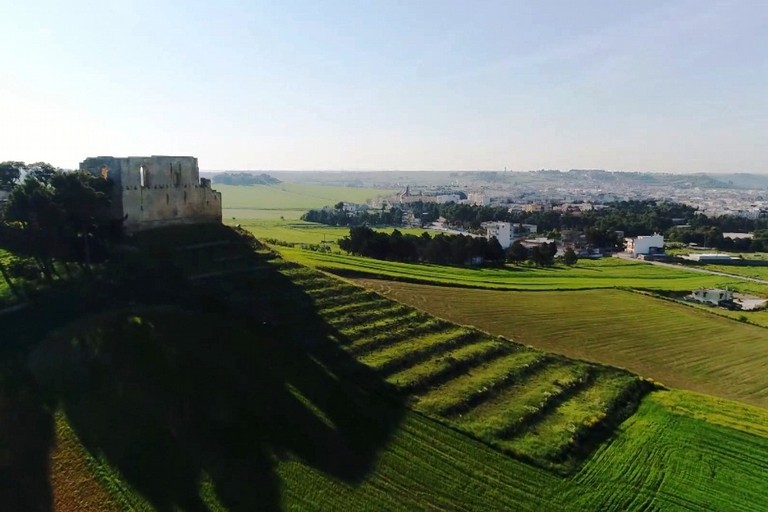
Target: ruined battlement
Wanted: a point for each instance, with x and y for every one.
(155, 191)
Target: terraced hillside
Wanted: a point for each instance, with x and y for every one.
(679, 345)
(543, 408)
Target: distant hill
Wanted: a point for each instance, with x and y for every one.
(243, 178)
(536, 178)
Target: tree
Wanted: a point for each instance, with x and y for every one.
(569, 257)
(517, 252)
(43, 172)
(60, 214)
(9, 174)
(541, 256)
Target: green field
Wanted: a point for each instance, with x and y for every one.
(289, 200)
(540, 407)
(587, 274)
(680, 451)
(324, 445)
(264, 385)
(676, 344)
(301, 232)
(746, 271)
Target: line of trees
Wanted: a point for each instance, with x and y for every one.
(244, 178)
(50, 215)
(441, 249)
(336, 216)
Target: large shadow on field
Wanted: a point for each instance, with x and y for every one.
(27, 431)
(196, 398)
(26, 438)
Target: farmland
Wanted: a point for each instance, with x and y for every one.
(679, 451)
(315, 447)
(536, 406)
(288, 200)
(588, 274)
(275, 386)
(678, 345)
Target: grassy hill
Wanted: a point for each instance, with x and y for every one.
(678, 345)
(203, 373)
(587, 274)
(539, 407)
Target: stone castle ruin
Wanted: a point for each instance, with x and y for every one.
(157, 191)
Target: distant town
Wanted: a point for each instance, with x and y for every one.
(738, 194)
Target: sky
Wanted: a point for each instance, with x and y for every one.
(673, 86)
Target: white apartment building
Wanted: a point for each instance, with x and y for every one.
(647, 244)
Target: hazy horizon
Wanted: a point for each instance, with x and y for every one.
(654, 86)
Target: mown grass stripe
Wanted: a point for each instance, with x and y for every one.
(412, 351)
(437, 370)
(481, 383)
(364, 344)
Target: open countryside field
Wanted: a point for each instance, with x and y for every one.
(301, 232)
(675, 344)
(289, 200)
(587, 274)
(680, 451)
(754, 272)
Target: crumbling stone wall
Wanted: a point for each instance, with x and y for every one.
(157, 191)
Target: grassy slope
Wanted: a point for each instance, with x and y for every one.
(311, 417)
(681, 450)
(540, 407)
(72, 476)
(675, 344)
(606, 273)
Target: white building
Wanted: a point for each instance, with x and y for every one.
(648, 244)
(501, 230)
(711, 295)
(478, 199)
(506, 232)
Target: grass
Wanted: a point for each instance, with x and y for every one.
(681, 450)
(604, 273)
(664, 458)
(679, 345)
(243, 394)
(74, 487)
(667, 458)
(746, 271)
(487, 386)
(287, 200)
